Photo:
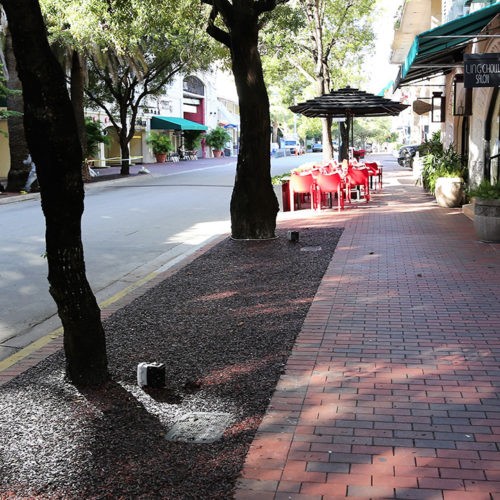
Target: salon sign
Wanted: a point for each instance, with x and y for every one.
(481, 70)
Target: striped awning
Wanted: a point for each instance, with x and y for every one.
(439, 50)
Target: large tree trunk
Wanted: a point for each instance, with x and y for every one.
(327, 138)
(125, 152)
(52, 137)
(18, 147)
(253, 203)
(344, 139)
(77, 93)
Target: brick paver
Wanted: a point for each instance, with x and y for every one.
(392, 388)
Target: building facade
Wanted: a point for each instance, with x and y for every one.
(205, 98)
(433, 41)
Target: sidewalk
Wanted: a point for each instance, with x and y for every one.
(113, 174)
(392, 389)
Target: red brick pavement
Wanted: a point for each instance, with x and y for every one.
(392, 388)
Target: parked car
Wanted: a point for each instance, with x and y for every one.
(294, 147)
(407, 153)
(317, 147)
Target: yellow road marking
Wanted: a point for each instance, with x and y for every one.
(127, 290)
(29, 349)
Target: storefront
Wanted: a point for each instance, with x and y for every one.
(470, 114)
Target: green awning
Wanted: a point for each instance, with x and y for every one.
(438, 50)
(173, 123)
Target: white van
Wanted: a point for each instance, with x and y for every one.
(293, 147)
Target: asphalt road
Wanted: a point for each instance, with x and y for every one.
(131, 228)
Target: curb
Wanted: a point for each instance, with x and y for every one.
(49, 344)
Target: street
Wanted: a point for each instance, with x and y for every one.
(131, 227)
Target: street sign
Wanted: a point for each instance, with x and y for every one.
(481, 70)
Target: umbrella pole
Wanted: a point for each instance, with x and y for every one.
(351, 117)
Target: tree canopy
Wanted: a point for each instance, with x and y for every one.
(132, 49)
(312, 47)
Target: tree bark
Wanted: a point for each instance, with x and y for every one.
(125, 152)
(326, 124)
(344, 139)
(123, 137)
(253, 203)
(77, 93)
(52, 137)
(18, 147)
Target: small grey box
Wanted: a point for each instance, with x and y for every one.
(151, 375)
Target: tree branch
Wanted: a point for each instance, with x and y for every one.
(267, 5)
(333, 38)
(215, 32)
(301, 70)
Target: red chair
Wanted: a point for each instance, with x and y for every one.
(359, 179)
(301, 184)
(331, 183)
(375, 172)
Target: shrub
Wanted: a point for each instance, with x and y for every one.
(486, 191)
(160, 143)
(95, 135)
(440, 162)
(217, 137)
(192, 139)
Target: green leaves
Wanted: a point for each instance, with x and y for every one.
(440, 162)
(486, 191)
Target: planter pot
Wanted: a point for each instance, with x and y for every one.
(487, 219)
(282, 192)
(161, 157)
(217, 153)
(449, 192)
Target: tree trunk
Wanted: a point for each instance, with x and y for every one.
(253, 203)
(125, 152)
(77, 93)
(344, 138)
(52, 137)
(18, 173)
(326, 124)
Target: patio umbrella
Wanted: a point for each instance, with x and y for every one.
(348, 103)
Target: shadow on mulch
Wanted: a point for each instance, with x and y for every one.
(224, 325)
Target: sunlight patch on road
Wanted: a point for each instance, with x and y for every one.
(199, 233)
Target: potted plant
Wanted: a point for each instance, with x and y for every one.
(216, 139)
(282, 190)
(161, 145)
(443, 173)
(486, 200)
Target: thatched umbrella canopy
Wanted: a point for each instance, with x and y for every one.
(348, 103)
